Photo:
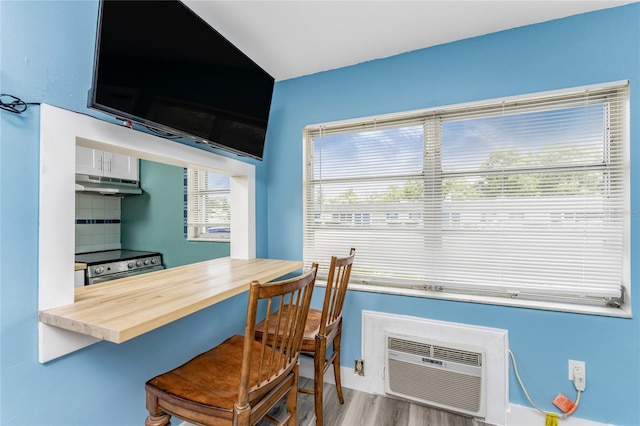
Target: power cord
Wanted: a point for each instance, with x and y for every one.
(579, 384)
(13, 104)
(18, 106)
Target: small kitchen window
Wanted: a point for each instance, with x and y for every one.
(207, 206)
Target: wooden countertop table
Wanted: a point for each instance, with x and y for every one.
(122, 309)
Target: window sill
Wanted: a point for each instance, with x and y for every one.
(210, 239)
(623, 312)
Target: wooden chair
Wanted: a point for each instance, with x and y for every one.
(324, 328)
(240, 380)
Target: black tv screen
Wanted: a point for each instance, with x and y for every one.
(160, 65)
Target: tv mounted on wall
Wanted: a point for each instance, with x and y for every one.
(160, 65)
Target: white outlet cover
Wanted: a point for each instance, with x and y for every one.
(576, 364)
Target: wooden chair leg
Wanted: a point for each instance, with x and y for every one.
(242, 415)
(292, 398)
(336, 364)
(156, 417)
(319, 360)
(158, 420)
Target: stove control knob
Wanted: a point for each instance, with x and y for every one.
(138, 262)
(146, 261)
(154, 260)
(99, 270)
(130, 265)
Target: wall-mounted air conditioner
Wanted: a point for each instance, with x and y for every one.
(443, 375)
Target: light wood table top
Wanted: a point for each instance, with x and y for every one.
(122, 309)
(80, 266)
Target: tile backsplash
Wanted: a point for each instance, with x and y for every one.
(97, 222)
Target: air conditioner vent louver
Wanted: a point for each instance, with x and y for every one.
(462, 357)
(433, 351)
(409, 347)
(439, 387)
(449, 377)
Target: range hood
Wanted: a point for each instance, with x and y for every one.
(107, 185)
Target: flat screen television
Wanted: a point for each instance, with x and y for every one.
(160, 65)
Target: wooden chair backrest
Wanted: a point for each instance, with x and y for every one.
(277, 357)
(337, 282)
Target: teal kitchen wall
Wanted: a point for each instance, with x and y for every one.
(153, 221)
(586, 49)
(46, 55)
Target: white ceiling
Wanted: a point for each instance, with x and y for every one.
(293, 38)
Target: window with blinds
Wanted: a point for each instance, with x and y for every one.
(521, 198)
(208, 208)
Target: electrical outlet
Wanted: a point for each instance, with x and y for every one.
(577, 367)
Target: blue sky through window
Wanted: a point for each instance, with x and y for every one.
(216, 181)
(369, 153)
(549, 136)
(466, 144)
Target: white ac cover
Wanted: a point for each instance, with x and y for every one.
(439, 374)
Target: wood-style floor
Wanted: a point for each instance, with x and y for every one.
(363, 409)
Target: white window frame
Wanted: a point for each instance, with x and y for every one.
(403, 288)
(196, 220)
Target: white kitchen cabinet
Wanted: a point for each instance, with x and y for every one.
(95, 162)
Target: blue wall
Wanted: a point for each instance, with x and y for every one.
(153, 220)
(46, 55)
(586, 49)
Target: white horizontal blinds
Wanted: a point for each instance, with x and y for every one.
(354, 199)
(533, 198)
(521, 199)
(208, 199)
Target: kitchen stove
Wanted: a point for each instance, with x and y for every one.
(112, 264)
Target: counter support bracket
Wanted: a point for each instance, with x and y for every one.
(55, 342)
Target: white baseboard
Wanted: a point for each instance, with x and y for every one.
(517, 415)
(348, 378)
